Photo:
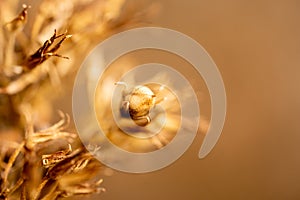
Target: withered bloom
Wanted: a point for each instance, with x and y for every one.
(39, 160)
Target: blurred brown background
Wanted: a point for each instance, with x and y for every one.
(256, 45)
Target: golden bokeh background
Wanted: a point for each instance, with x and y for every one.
(256, 45)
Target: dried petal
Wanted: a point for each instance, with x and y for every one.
(44, 52)
(19, 22)
(49, 160)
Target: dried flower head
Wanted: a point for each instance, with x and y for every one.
(39, 160)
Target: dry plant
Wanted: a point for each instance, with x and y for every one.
(37, 160)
